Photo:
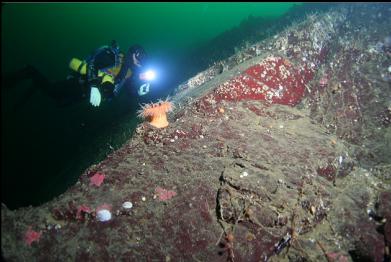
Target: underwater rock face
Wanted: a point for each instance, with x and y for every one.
(261, 161)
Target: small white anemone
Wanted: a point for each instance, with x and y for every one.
(127, 205)
(103, 215)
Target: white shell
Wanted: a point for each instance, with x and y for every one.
(127, 205)
(103, 215)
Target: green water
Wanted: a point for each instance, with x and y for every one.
(44, 148)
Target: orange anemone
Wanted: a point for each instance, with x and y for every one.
(156, 113)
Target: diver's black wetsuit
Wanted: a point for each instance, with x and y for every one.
(108, 57)
(64, 92)
(77, 87)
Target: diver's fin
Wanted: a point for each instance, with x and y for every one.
(27, 72)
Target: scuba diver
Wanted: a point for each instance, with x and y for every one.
(99, 77)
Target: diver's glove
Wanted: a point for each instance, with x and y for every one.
(95, 96)
(143, 90)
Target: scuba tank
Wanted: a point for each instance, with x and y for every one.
(80, 67)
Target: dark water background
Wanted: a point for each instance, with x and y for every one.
(44, 148)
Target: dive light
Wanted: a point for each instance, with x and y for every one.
(148, 75)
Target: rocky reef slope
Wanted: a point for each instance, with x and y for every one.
(281, 152)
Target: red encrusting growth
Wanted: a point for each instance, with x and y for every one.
(31, 236)
(274, 80)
